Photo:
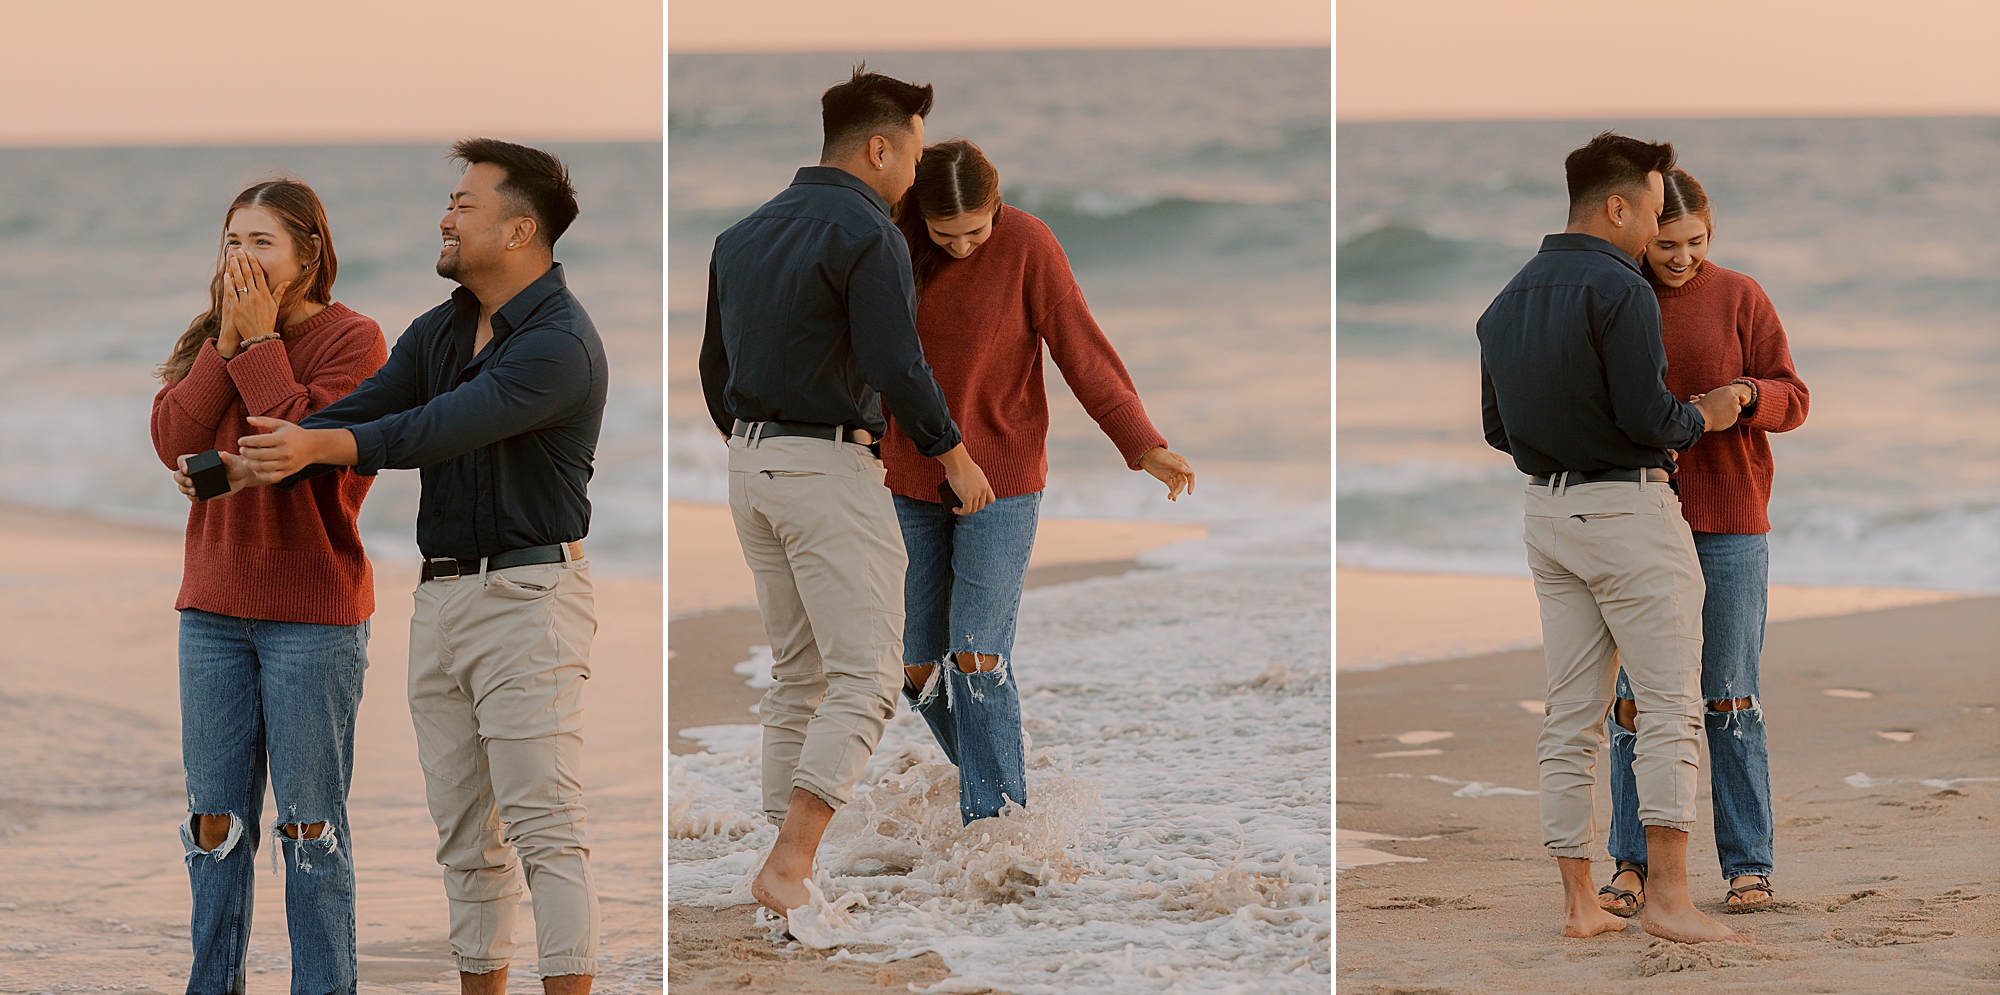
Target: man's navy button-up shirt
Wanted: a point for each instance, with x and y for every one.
(811, 317)
(504, 439)
(1571, 365)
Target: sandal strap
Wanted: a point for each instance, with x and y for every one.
(1632, 866)
(1763, 884)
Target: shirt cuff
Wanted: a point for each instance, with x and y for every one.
(371, 453)
(945, 443)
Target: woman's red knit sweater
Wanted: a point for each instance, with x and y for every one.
(983, 321)
(1717, 327)
(265, 553)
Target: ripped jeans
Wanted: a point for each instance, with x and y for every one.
(961, 594)
(1737, 571)
(281, 697)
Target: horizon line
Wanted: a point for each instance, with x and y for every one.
(1091, 47)
(11, 143)
(1769, 114)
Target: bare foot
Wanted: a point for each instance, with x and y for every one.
(1685, 925)
(777, 892)
(1590, 921)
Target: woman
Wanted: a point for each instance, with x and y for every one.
(275, 595)
(993, 288)
(1718, 327)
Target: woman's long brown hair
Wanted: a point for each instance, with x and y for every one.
(953, 178)
(299, 210)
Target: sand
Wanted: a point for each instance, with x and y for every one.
(1886, 875)
(93, 893)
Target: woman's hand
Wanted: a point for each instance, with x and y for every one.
(239, 475)
(1170, 468)
(256, 306)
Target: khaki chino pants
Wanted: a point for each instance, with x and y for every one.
(819, 532)
(1618, 580)
(497, 665)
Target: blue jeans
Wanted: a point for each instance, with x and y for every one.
(281, 697)
(961, 594)
(1737, 571)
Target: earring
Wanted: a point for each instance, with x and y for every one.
(511, 245)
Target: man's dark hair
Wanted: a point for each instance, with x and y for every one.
(868, 104)
(537, 183)
(1611, 163)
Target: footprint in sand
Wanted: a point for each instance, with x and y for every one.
(1847, 693)
(1896, 735)
(1533, 705)
(1406, 753)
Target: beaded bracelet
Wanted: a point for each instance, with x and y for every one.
(253, 340)
(1754, 392)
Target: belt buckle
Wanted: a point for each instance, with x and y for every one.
(449, 562)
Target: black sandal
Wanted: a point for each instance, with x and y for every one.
(1763, 884)
(1634, 903)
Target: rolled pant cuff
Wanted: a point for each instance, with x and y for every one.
(832, 800)
(552, 967)
(1686, 827)
(478, 965)
(1570, 851)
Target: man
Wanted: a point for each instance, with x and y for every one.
(1573, 376)
(497, 396)
(811, 324)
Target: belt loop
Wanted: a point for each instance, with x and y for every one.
(482, 571)
(1564, 492)
(839, 435)
(756, 434)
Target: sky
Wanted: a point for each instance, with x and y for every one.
(142, 72)
(1548, 59)
(953, 25)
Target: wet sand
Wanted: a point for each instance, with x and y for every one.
(1886, 876)
(1388, 618)
(93, 890)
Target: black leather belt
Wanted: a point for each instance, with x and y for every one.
(1566, 477)
(447, 568)
(805, 430)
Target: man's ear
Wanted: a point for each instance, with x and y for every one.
(1618, 209)
(879, 151)
(521, 233)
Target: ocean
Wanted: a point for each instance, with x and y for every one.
(106, 255)
(1191, 190)
(1873, 238)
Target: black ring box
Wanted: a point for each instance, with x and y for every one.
(210, 476)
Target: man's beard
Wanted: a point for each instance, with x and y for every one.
(448, 266)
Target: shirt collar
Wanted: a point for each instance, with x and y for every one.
(517, 308)
(833, 176)
(1576, 241)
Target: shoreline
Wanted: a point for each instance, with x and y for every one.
(1394, 618)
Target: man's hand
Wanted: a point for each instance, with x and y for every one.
(239, 474)
(968, 481)
(285, 449)
(1170, 468)
(1719, 407)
